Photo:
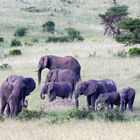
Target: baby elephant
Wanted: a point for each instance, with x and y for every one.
(127, 96)
(54, 89)
(110, 99)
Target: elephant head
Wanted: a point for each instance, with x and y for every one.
(44, 91)
(48, 88)
(104, 97)
(85, 88)
(29, 85)
(43, 63)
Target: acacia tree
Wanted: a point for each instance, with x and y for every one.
(111, 17)
(130, 31)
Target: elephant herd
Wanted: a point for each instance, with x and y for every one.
(62, 80)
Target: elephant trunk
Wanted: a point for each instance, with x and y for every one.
(42, 96)
(39, 76)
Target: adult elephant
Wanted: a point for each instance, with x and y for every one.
(62, 75)
(92, 89)
(55, 62)
(13, 92)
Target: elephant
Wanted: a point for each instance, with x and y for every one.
(110, 99)
(92, 89)
(127, 96)
(55, 62)
(62, 75)
(54, 89)
(13, 92)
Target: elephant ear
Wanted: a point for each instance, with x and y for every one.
(48, 78)
(106, 97)
(50, 88)
(45, 63)
(41, 63)
(54, 76)
(90, 88)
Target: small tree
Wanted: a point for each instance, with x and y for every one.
(74, 34)
(49, 26)
(130, 31)
(111, 17)
(21, 31)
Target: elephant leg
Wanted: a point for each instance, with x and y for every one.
(111, 106)
(130, 105)
(8, 110)
(14, 107)
(107, 106)
(93, 99)
(3, 105)
(88, 101)
(71, 95)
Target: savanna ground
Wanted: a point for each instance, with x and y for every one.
(97, 56)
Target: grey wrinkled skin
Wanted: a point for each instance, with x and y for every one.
(55, 62)
(62, 75)
(92, 89)
(110, 99)
(127, 97)
(13, 92)
(56, 89)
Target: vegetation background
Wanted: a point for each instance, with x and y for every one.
(97, 54)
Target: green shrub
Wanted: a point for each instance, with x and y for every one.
(15, 42)
(74, 34)
(57, 39)
(58, 117)
(80, 114)
(1, 118)
(29, 115)
(1, 39)
(35, 40)
(130, 31)
(113, 115)
(49, 26)
(21, 31)
(15, 52)
(5, 66)
(134, 51)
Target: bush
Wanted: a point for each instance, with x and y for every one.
(49, 26)
(15, 42)
(134, 51)
(130, 31)
(15, 52)
(58, 117)
(57, 39)
(1, 118)
(1, 39)
(29, 115)
(114, 115)
(80, 114)
(5, 66)
(21, 31)
(74, 34)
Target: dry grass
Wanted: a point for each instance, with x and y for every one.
(81, 130)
